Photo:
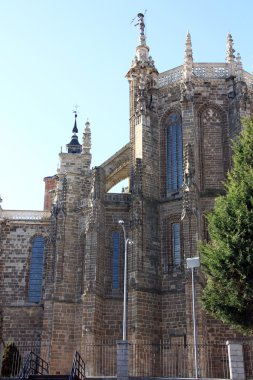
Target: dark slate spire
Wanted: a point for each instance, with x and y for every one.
(75, 130)
(74, 146)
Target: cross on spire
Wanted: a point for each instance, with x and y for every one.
(75, 110)
(74, 146)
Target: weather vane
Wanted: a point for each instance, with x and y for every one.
(140, 21)
(75, 109)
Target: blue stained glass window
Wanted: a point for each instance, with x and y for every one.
(174, 157)
(115, 259)
(176, 244)
(174, 153)
(36, 270)
(179, 157)
(169, 157)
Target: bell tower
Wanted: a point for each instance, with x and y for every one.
(64, 282)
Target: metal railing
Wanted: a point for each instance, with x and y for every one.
(154, 359)
(78, 368)
(161, 359)
(248, 358)
(166, 360)
(100, 358)
(34, 365)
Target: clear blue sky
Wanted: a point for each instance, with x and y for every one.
(58, 53)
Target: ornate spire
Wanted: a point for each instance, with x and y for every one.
(188, 58)
(75, 130)
(142, 28)
(239, 68)
(143, 68)
(74, 146)
(86, 139)
(142, 50)
(230, 57)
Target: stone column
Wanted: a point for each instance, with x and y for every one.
(122, 359)
(236, 363)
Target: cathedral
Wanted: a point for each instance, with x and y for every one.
(62, 269)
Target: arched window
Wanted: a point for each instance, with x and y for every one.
(172, 248)
(36, 270)
(115, 259)
(174, 153)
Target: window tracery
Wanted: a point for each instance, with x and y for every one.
(174, 153)
(36, 270)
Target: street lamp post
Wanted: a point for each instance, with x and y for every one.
(192, 263)
(126, 242)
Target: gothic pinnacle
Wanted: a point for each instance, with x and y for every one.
(188, 49)
(239, 68)
(230, 57)
(188, 58)
(86, 139)
(142, 63)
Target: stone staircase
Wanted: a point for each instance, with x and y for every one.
(48, 377)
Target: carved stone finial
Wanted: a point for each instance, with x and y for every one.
(239, 68)
(86, 146)
(230, 57)
(189, 170)
(189, 185)
(188, 58)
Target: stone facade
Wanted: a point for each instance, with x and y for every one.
(181, 125)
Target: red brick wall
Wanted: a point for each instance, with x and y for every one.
(50, 185)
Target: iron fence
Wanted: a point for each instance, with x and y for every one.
(166, 360)
(248, 358)
(100, 358)
(161, 359)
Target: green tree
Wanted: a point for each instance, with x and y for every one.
(228, 257)
(11, 361)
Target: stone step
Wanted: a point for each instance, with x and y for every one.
(48, 377)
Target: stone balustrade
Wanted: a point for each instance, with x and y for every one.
(118, 198)
(24, 215)
(170, 76)
(201, 70)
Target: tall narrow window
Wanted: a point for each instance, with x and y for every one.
(174, 153)
(176, 244)
(36, 270)
(115, 259)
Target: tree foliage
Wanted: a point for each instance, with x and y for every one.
(11, 361)
(228, 258)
